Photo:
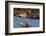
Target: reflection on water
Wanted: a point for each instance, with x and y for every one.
(31, 22)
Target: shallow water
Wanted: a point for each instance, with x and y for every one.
(31, 22)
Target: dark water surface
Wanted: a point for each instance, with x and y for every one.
(31, 22)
